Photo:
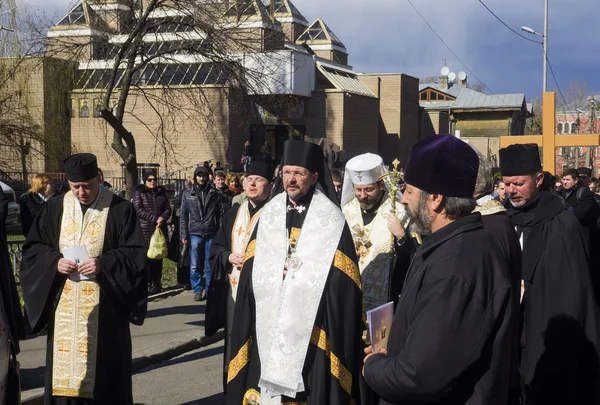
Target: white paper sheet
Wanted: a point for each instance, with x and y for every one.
(77, 254)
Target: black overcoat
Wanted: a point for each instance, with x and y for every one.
(453, 328)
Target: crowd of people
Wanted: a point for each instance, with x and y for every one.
(495, 283)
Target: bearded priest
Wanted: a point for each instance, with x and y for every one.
(227, 252)
(83, 275)
(383, 247)
(297, 335)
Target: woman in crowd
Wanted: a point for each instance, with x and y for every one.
(153, 210)
(42, 188)
(233, 182)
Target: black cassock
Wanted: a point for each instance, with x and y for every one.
(339, 317)
(559, 360)
(123, 292)
(218, 294)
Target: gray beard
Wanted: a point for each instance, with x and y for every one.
(421, 222)
(295, 195)
(517, 205)
(367, 206)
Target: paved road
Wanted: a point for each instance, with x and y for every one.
(193, 378)
(168, 321)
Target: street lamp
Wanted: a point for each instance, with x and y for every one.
(545, 36)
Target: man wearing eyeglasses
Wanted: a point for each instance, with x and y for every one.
(297, 335)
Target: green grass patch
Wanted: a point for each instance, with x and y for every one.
(169, 273)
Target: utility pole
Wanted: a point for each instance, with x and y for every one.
(592, 105)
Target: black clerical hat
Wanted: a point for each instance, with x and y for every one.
(520, 160)
(310, 156)
(262, 169)
(585, 171)
(443, 164)
(304, 154)
(81, 167)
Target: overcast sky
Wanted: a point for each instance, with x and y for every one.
(389, 36)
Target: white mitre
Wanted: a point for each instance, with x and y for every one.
(361, 170)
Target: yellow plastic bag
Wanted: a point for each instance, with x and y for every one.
(158, 248)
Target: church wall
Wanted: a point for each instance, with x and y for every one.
(485, 123)
(487, 146)
(325, 116)
(39, 90)
(361, 125)
(70, 48)
(399, 127)
(193, 132)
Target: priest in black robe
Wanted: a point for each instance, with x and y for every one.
(297, 335)
(560, 336)
(86, 302)
(227, 253)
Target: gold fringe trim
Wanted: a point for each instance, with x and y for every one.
(250, 250)
(60, 392)
(239, 361)
(343, 262)
(319, 339)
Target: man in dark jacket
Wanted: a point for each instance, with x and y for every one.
(581, 200)
(559, 359)
(200, 219)
(452, 332)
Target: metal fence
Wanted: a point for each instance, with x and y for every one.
(15, 251)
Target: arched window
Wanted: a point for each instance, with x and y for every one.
(567, 129)
(560, 128)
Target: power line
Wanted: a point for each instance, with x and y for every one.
(446, 45)
(507, 26)
(557, 86)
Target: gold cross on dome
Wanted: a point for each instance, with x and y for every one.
(396, 163)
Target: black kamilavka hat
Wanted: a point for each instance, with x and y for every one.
(262, 169)
(520, 160)
(310, 156)
(81, 167)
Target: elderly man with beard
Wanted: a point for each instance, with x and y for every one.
(452, 329)
(382, 246)
(559, 358)
(297, 335)
(227, 253)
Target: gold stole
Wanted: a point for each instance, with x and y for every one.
(76, 320)
(375, 249)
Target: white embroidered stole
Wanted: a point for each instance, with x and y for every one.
(76, 320)
(4, 354)
(376, 261)
(286, 309)
(240, 236)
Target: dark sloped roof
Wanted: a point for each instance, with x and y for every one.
(470, 99)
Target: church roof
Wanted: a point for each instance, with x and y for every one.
(470, 99)
(82, 15)
(248, 10)
(319, 32)
(285, 8)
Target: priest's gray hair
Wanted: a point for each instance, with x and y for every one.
(485, 180)
(455, 207)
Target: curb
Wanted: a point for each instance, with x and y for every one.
(165, 294)
(174, 348)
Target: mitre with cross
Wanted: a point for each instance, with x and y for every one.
(361, 170)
